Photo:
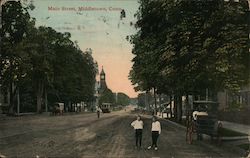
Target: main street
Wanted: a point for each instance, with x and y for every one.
(84, 135)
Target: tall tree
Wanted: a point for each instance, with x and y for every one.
(122, 99)
(16, 22)
(182, 47)
(46, 59)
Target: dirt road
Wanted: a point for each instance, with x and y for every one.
(84, 135)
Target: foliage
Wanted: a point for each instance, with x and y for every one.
(122, 99)
(184, 46)
(42, 61)
(107, 97)
(15, 28)
(141, 100)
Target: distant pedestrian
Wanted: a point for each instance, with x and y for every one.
(156, 131)
(98, 111)
(138, 126)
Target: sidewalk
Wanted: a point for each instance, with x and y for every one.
(236, 127)
(230, 142)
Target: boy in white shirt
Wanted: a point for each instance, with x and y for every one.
(156, 131)
(138, 126)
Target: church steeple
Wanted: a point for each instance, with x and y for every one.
(102, 74)
(103, 84)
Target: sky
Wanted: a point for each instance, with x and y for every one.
(96, 24)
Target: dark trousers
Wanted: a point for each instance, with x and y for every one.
(155, 135)
(138, 137)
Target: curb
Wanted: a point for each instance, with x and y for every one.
(236, 138)
(173, 123)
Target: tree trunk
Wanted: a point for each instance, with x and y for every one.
(18, 101)
(71, 107)
(39, 103)
(188, 108)
(12, 97)
(171, 107)
(206, 94)
(68, 107)
(179, 108)
(39, 96)
(161, 108)
(175, 107)
(155, 101)
(46, 99)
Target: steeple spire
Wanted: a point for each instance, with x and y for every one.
(103, 85)
(102, 72)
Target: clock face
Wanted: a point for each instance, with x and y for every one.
(102, 77)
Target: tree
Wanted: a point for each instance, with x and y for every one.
(122, 99)
(75, 72)
(107, 97)
(42, 61)
(15, 25)
(182, 47)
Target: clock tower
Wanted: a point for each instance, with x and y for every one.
(103, 84)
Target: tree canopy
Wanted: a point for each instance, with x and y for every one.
(122, 99)
(107, 96)
(46, 61)
(184, 46)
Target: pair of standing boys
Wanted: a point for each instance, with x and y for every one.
(155, 131)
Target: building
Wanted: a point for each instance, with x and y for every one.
(228, 99)
(100, 86)
(103, 84)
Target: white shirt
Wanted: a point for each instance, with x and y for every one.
(156, 126)
(137, 124)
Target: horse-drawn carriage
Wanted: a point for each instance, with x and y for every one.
(202, 119)
(58, 109)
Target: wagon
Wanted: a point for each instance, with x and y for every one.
(203, 124)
